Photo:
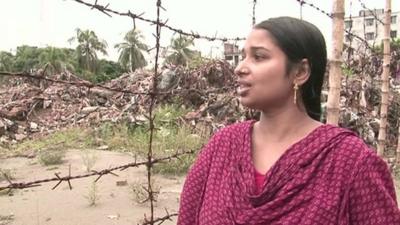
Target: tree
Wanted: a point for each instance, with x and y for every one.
(181, 53)
(26, 58)
(131, 51)
(108, 70)
(6, 61)
(56, 59)
(88, 46)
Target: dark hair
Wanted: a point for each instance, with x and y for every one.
(299, 40)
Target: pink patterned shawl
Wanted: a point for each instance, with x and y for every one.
(329, 178)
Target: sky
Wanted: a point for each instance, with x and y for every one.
(52, 22)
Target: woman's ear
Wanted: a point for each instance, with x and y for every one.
(302, 73)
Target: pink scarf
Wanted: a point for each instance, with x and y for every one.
(330, 178)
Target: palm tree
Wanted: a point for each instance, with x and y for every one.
(55, 59)
(88, 46)
(181, 54)
(131, 51)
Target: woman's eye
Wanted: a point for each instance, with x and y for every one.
(258, 57)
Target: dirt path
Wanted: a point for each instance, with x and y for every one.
(41, 205)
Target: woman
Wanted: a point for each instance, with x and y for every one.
(286, 168)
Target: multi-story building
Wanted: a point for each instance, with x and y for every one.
(367, 26)
(232, 53)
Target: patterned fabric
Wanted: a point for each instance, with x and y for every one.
(330, 178)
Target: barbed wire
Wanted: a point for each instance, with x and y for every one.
(88, 84)
(373, 12)
(106, 10)
(254, 12)
(151, 117)
(160, 220)
(68, 178)
(303, 2)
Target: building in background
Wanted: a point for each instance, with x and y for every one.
(366, 26)
(231, 53)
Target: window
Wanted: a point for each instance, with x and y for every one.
(348, 24)
(369, 36)
(369, 22)
(393, 34)
(393, 19)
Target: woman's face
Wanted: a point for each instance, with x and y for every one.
(262, 76)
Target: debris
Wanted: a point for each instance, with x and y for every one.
(28, 109)
(113, 217)
(103, 147)
(122, 183)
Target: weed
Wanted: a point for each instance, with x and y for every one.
(50, 157)
(93, 195)
(139, 191)
(89, 158)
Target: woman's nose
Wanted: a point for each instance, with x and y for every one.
(241, 69)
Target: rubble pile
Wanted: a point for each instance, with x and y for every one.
(30, 107)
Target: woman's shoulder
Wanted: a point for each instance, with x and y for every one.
(233, 132)
(354, 151)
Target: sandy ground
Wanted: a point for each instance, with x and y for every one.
(116, 205)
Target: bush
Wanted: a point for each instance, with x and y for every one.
(51, 157)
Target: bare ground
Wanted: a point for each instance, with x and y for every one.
(62, 206)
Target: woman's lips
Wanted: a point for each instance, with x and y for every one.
(243, 88)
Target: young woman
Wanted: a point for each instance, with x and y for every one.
(287, 168)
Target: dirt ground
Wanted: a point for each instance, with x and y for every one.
(116, 204)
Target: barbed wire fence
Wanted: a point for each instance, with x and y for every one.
(153, 92)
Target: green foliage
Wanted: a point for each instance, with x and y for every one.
(182, 139)
(198, 60)
(6, 61)
(68, 138)
(56, 59)
(181, 54)
(26, 58)
(131, 51)
(347, 71)
(170, 136)
(88, 47)
(83, 60)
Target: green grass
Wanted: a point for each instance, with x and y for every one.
(74, 137)
(171, 135)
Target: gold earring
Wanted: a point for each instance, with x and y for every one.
(296, 87)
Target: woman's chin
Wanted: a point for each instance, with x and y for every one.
(246, 102)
